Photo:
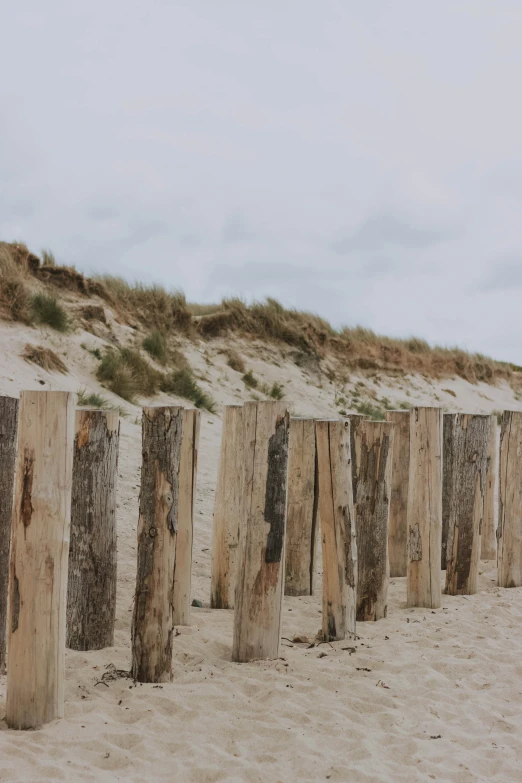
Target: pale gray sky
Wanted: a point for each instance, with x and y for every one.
(362, 160)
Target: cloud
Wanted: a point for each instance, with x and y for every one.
(505, 275)
(384, 229)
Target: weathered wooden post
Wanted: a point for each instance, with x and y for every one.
(509, 532)
(425, 508)
(337, 528)
(301, 520)
(372, 492)
(470, 444)
(8, 428)
(153, 616)
(488, 539)
(260, 575)
(187, 496)
(39, 555)
(227, 510)
(397, 532)
(447, 473)
(91, 592)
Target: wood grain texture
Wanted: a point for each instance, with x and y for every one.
(91, 592)
(259, 588)
(227, 510)
(425, 508)
(301, 522)
(447, 475)
(8, 431)
(187, 496)
(488, 539)
(372, 492)
(337, 529)
(398, 527)
(509, 532)
(153, 616)
(39, 559)
(470, 435)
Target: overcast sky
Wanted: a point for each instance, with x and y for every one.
(359, 159)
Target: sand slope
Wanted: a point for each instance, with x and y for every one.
(450, 711)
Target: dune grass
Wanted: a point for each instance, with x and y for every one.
(45, 309)
(156, 346)
(183, 384)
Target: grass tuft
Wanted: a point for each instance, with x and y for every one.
(156, 346)
(235, 361)
(48, 258)
(45, 358)
(47, 310)
(250, 380)
(128, 374)
(183, 384)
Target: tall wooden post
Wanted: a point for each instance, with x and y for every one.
(447, 474)
(227, 510)
(187, 496)
(91, 592)
(488, 539)
(337, 528)
(301, 522)
(509, 531)
(8, 428)
(425, 508)
(259, 590)
(398, 528)
(153, 617)
(372, 492)
(470, 445)
(38, 563)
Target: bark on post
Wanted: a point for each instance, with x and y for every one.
(91, 592)
(470, 444)
(187, 496)
(397, 534)
(301, 521)
(8, 428)
(488, 539)
(372, 492)
(227, 510)
(509, 532)
(425, 508)
(337, 528)
(447, 473)
(153, 617)
(38, 563)
(259, 590)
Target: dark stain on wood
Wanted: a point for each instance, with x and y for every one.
(15, 609)
(275, 493)
(27, 488)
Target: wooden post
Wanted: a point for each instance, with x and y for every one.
(425, 508)
(397, 533)
(187, 496)
(470, 445)
(372, 492)
(91, 592)
(260, 575)
(153, 617)
(38, 563)
(337, 528)
(227, 510)
(8, 428)
(509, 532)
(301, 521)
(488, 539)
(447, 473)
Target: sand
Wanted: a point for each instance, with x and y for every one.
(419, 696)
